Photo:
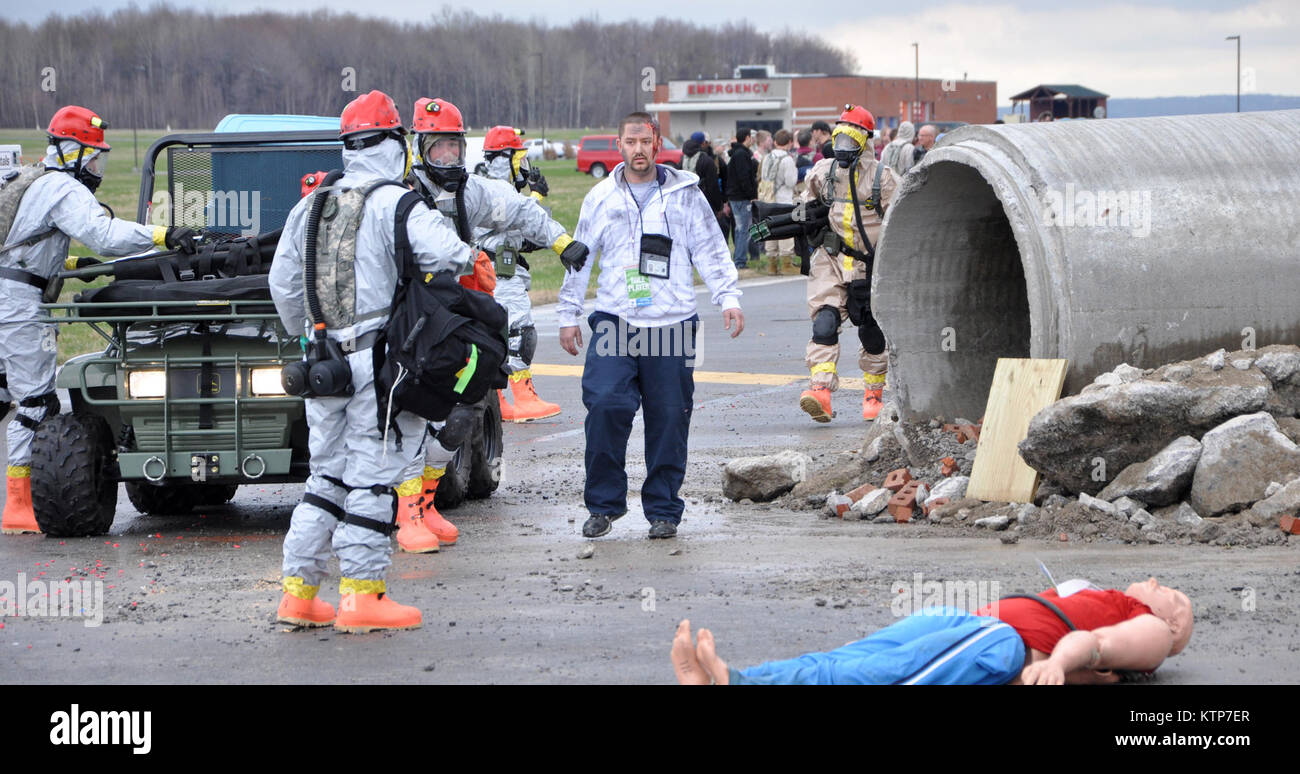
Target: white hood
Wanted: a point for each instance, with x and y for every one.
(499, 169)
(385, 161)
(70, 150)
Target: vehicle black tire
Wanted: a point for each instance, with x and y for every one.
(74, 476)
(214, 494)
(485, 472)
(598, 170)
(454, 484)
(162, 500)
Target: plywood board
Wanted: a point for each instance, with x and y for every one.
(1021, 388)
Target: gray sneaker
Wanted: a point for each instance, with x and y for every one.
(598, 525)
(660, 529)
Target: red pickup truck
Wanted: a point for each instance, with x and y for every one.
(598, 154)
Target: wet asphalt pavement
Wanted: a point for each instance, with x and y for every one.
(192, 599)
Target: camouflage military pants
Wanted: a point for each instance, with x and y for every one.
(828, 287)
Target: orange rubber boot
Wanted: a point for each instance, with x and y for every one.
(871, 401)
(300, 606)
(19, 518)
(527, 405)
(817, 402)
(363, 611)
(445, 531)
(507, 411)
(413, 536)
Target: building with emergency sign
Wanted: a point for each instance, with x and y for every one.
(761, 98)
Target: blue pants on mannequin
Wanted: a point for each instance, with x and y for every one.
(934, 646)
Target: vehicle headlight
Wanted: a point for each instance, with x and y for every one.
(266, 381)
(146, 384)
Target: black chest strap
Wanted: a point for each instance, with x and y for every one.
(26, 277)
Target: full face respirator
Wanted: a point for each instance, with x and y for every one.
(847, 143)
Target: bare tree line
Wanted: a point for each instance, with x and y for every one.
(168, 67)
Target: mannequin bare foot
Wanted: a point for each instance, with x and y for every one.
(708, 659)
(688, 669)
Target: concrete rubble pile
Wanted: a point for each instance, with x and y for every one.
(1203, 450)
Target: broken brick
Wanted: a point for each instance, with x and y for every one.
(838, 505)
(860, 492)
(968, 433)
(897, 479)
(902, 504)
(949, 466)
(1290, 525)
(935, 503)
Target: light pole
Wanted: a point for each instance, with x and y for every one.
(1238, 39)
(135, 119)
(917, 47)
(541, 90)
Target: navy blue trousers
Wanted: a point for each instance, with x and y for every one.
(627, 368)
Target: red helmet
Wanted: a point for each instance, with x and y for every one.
(369, 113)
(436, 116)
(311, 181)
(859, 117)
(503, 137)
(79, 124)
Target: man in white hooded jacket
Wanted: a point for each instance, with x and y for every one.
(650, 225)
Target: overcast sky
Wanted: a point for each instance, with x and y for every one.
(1130, 48)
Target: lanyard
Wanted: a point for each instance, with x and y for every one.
(662, 204)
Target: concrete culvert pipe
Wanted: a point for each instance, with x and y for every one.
(1103, 241)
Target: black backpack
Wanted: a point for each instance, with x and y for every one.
(443, 344)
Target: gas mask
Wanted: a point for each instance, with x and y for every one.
(442, 158)
(87, 166)
(91, 173)
(847, 141)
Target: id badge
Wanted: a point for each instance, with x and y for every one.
(656, 255)
(638, 288)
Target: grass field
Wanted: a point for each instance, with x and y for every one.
(121, 187)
